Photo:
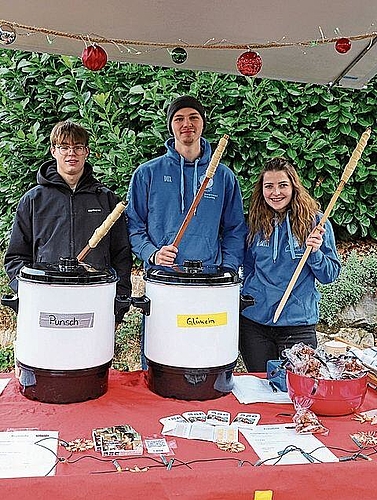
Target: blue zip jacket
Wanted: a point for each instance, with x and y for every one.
(160, 195)
(269, 266)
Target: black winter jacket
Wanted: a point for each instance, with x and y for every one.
(53, 221)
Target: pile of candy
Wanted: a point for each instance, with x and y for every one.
(316, 363)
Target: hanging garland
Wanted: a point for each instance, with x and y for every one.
(249, 63)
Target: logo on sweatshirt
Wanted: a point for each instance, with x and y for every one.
(210, 182)
(263, 243)
(167, 178)
(297, 250)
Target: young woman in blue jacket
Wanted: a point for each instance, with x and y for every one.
(282, 218)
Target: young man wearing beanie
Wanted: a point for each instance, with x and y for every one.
(162, 190)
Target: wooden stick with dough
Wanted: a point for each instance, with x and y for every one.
(350, 167)
(102, 230)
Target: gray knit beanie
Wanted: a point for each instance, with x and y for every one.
(185, 101)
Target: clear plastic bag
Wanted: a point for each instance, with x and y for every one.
(316, 363)
(307, 421)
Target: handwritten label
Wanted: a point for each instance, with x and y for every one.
(70, 320)
(202, 320)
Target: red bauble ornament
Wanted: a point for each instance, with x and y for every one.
(343, 45)
(249, 63)
(94, 57)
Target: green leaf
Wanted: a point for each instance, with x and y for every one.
(352, 228)
(137, 89)
(101, 99)
(70, 108)
(68, 61)
(69, 95)
(373, 232)
(368, 188)
(345, 128)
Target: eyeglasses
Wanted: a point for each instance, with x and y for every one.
(78, 150)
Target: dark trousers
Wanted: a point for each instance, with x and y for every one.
(259, 343)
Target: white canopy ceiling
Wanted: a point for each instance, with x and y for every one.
(295, 37)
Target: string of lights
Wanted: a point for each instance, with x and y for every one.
(147, 462)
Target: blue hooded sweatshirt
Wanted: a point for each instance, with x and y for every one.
(160, 195)
(269, 266)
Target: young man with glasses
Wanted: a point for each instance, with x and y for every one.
(57, 217)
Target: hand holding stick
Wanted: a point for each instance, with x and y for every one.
(350, 167)
(102, 230)
(210, 172)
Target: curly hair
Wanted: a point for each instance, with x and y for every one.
(303, 208)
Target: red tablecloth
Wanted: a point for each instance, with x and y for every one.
(129, 401)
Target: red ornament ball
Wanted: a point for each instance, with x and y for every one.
(94, 57)
(249, 63)
(343, 45)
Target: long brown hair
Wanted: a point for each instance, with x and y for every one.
(303, 208)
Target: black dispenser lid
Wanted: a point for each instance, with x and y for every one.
(192, 272)
(67, 271)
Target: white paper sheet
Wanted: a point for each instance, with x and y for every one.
(200, 430)
(3, 383)
(21, 457)
(251, 389)
(268, 440)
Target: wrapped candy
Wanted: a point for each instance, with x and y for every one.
(307, 421)
(316, 363)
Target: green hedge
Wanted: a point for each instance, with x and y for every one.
(358, 277)
(124, 108)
